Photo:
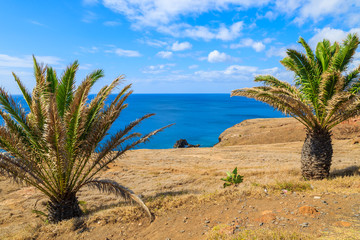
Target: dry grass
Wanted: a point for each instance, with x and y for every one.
(220, 233)
(172, 180)
(341, 234)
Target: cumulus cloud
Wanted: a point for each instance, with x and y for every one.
(317, 9)
(258, 46)
(162, 12)
(332, 34)
(126, 53)
(288, 6)
(153, 42)
(156, 69)
(216, 56)
(166, 16)
(26, 61)
(180, 46)
(237, 69)
(164, 54)
(241, 72)
(223, 32)
(276, 52)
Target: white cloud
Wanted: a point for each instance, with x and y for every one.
(86, 66)
(166, 16)
(276, 52)
(202, 32)
(162, 12)
(127, 53)
(237, 69)
(333, 35)
(153, 42)
(271, 15)
(37, 23)
(268, 40)
(317, 9)
(193, 66)
(230, 33)
(89, 17)
(258, 46)
(112, 23)
(216, 56)
(26, 61)
(164, 54)
(241, 72)
(288, 6)
(180, 46)
(92, 49)
(156, 69)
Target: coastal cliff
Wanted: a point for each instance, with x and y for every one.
(279, 130)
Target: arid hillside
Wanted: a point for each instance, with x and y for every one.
(280, 130)
(182, 188)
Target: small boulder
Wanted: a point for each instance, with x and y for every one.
(308, 210)
(266, 218)
(181, 143)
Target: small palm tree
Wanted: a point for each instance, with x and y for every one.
(57, 146)
(324, 95)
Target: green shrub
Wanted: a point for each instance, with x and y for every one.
(232, 178)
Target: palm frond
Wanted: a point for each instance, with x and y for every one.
(25, 92)
(51, 80)
(66, 88)
(323, 54)
(352, 81)
(271, 81)
(308, 50)
(109, 186)
(107, 160)
(282, 102)
(307, 80)
(345, 54)
(331, 83)
(98, 102)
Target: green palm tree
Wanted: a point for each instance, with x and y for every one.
(57, 145)
(325, 94)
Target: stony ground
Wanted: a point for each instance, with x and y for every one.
(182, 187)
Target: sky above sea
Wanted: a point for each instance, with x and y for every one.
(167, 46)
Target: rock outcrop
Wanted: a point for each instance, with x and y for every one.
(182, 143)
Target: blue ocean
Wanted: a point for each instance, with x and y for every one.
(198, 118)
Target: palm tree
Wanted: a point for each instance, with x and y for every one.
(324, 95)
(57, 145)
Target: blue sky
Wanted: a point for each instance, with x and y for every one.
(167, 46)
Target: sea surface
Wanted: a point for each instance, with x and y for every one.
(198, 118)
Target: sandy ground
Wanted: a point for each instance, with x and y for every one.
(182, 187)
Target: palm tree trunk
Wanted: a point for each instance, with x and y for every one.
(65, 209)
(316, 154)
